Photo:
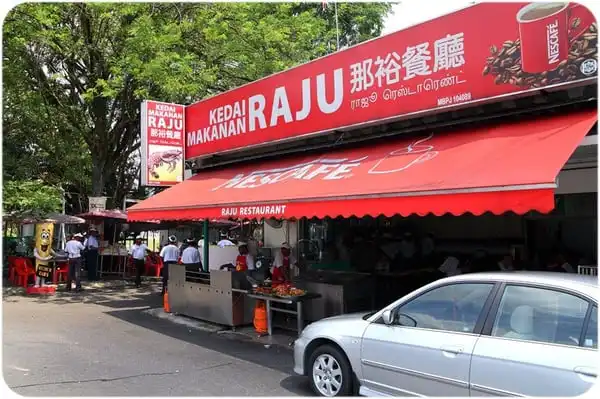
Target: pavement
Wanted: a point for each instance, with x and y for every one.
(108, 341)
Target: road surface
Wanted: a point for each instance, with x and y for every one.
(100, 343)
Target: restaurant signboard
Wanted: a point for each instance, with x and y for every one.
(481, 53)
(162, 143)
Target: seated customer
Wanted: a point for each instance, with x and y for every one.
(559, 263)
(506, 264)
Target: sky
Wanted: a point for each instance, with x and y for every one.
(412, 12)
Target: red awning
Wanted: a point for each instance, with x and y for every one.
(510, 167)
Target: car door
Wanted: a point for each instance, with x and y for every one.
(427, 348)
(535, 343)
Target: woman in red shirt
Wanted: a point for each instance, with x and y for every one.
(244, 260)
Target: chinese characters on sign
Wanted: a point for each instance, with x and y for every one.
(448, 53)
(162, 145)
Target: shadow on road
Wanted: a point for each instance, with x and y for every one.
(121, 297)
(274, 357)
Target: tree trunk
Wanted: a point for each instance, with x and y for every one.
(98, 178)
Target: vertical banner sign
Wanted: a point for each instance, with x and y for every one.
(162, 126)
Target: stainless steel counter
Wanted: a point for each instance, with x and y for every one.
(341, 292)
(216, 301)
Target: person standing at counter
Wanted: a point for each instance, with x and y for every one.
(191, 256)
(169, 254)
(91, 255)
(244, 261)
(138, 253)
(73, 249)
(284, 260)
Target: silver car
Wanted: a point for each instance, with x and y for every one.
(481, 334)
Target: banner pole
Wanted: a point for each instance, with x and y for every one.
(337, 30)
(205, 247)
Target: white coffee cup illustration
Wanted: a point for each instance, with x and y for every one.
(405, 157)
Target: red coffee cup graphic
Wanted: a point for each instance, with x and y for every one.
(545, 34)
(403, 158)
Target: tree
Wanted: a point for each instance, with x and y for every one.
(75, 74)
(31, 198)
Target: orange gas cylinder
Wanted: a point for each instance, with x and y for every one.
(166, 306)
(260, 317)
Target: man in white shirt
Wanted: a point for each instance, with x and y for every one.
(169, 255)
(283, 263)
(225, 243)
(138, 253)
(73, 249)
(191, 257)
(91, 256)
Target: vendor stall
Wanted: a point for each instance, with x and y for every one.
(112, 254)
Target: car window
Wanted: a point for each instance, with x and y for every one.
(539, 314)
(591, 335)
(454, 307)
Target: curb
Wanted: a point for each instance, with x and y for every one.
(225, 332)
(185, 321)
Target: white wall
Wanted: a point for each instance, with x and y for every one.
(573, 181)
(287, 233)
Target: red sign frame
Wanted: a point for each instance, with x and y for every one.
(162, 143)
(466, 57)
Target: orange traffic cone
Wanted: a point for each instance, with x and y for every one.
(166, 306)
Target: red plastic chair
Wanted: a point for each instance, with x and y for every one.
(153, 262)
(61, 272)
(23, 269)
(11, 269)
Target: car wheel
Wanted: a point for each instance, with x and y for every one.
(330, 372)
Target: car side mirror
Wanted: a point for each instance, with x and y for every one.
(406, 320)
(387, 317)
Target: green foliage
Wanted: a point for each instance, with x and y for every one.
(75, 74)
(29, 198)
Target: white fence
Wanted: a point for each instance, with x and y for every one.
(587, 270)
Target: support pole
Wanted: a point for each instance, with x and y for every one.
(205, 247)
(337, 29)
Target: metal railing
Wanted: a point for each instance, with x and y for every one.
(587, 270)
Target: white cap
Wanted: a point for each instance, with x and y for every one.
(242, 243)
(139, 238)
(286, 245)
(78, 235)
